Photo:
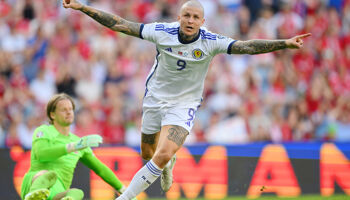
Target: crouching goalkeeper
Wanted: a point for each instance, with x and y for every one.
(55, 154)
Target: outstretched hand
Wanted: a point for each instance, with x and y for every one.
(297, 41)
(74, 4)
(84, 142)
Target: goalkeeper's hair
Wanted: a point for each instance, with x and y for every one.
(51, 105)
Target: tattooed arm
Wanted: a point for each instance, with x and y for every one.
(113, 22)
(257, 46)
(265, 46)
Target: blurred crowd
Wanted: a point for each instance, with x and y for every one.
(288, 95)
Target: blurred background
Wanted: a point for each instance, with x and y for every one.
(289, 95)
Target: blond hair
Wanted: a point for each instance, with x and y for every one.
(52, 104)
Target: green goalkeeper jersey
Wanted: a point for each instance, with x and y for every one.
(49, 152)
(58, 160)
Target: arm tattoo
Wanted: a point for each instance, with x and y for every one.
(257, 46)
(177, 134)
(113, 22)
(148, 139)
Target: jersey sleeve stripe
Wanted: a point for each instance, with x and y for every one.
(161, 26)
(141, 29)
(208, 36)
(230, 47)
(172, 31)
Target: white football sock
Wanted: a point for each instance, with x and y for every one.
(142, 180)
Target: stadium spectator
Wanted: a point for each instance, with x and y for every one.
(113, 130)
(86, 123)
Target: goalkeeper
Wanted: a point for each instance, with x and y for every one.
(55, 154)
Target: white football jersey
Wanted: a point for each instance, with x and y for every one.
(180, 68)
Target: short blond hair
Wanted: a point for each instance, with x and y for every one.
(193, 3)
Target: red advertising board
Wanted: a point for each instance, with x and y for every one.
(213, 172)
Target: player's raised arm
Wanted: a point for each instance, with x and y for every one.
(264, 46)
(111, 21)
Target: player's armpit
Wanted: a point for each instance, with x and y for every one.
(257, 46)
(113, 22)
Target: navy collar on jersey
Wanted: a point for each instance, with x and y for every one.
(187, 42)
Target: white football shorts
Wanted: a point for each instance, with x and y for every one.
(157, 113)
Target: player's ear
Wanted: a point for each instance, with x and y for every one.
(203, 20)
(178, 18)
(52, 115)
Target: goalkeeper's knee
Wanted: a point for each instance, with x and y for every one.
(46, 180)
(76, 194)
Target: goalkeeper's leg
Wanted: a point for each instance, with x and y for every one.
(41, 183)
(71, 194)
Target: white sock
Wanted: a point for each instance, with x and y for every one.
(142, 180)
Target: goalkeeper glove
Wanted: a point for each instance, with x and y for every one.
(84, 142)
